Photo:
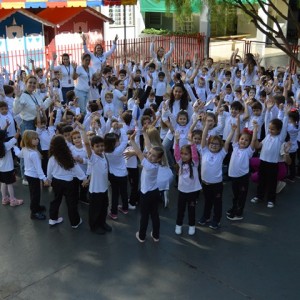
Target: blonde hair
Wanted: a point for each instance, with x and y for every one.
(155, 141)
(27, 138)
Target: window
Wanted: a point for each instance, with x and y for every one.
(117, 14)
(186, 26)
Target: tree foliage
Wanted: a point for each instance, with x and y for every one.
(273, 32)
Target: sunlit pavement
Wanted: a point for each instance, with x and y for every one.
(257, 258)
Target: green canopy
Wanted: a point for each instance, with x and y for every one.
(160, 6)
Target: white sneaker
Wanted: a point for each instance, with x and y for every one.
(254, 200)
(178, 229)
(270, 205)
(54, 222)
(192, 230)
(131, 207)
(24, 182)
(280, 186)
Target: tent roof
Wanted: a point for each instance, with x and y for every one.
(5, 13)
(61, 15)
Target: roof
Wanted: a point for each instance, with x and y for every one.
(5, 13)
(61, 15)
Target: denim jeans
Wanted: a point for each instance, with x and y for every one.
(82, 99)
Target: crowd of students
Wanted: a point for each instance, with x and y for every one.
(137, 127)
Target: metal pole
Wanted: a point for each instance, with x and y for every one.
(124, 19)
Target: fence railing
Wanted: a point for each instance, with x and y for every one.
(129, 49)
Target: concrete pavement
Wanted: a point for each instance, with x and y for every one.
(257, 258)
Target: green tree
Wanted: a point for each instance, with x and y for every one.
(271, 29)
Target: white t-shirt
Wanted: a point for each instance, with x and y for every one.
(45, 136)
(211, 165)
(185, 183)
(98, 168)
(6, 162)
(80, 153)
(66, 76)
(148, 176)
(239, 161)
(118, 103)
(84, 78)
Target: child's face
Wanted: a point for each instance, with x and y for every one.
(214, 146)
(161, 78)
(204, 71)
(238, 74)
(197, 139)
(273, 130)
(69, 119)
(228, 91)
(210, 122)
(152, 156)
(55, 83)
(228, 77)
(40, 74)
(185, 155)
(146, 123)
(35, 141)
(43, 126)
(90, 135)
(151, 70)
(256, 112)
(238, 95)
(201, 82)
(151, 98)
(251, 93)
(122, 76)
(67, 136)
(76, 139)
(244, 141)
(3, 110)
(234, 112)
(43, 88)
(98, 148)
(182, 120)
(108, 99)
(177, 92)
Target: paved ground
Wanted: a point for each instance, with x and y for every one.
(254, 259)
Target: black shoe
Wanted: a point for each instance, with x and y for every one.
(99, 230)
(85, 201)
(42, 208)
(38, 216)
(229, 211)
(106, 227)
(234, 217)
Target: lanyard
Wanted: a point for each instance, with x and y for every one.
(33, 98)
(68, 70)
(88, 74)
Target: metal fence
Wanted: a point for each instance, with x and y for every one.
(129, 49)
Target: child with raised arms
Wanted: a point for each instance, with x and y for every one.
(213, 153)
(188, 183)
(243, 149)
(149, 190)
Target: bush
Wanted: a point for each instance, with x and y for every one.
(167, 32)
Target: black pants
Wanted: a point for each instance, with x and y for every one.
(267, 174)
(118, 187)
(34, 185)
(159, 100)
(298, 158)
(189, 200)
(64, 188)
(213, 199)
(80, 191)
(97, 209)
(133, 177)
(240, 190)
(149, 208)
(45, 158)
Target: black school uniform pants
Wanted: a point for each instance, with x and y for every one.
(97, 210)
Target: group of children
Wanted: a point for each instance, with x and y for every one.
(194, 123)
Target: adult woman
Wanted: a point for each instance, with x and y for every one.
(160, 57)
(66, 70)
(119, 98)
(83, 74)
(99, 56)
(25, 104)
